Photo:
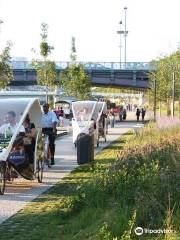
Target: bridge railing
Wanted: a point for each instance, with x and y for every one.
(91, 65)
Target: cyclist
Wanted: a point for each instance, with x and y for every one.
(49, 122)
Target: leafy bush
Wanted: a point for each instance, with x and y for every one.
(145, 178)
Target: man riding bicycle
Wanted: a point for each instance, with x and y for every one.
(49, 122)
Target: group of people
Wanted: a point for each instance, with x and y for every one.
(28, 131)
(141, 112)
(123, 114)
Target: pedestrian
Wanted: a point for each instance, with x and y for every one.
(61, 117)
(121, 114)
(112, 118)
(143, 113)
(138, 114)
(49, 122)
(124, 114)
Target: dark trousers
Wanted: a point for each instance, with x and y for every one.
(52, 137)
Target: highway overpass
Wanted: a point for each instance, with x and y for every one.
(130, 75)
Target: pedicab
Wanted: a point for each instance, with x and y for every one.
(84, 119)
(13, 157)
(101, 121)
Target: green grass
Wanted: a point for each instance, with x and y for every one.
(133, 182)
(60, 213)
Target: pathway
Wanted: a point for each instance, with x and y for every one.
(21, 191)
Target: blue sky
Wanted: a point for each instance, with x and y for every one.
(152, 25)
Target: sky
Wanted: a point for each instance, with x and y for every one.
(152, 25)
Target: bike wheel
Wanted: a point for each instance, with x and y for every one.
(2, 177)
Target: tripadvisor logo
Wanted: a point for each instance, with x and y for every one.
(138, 231)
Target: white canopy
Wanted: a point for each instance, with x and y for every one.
(100, 108)
(83, 110)
(83, 117)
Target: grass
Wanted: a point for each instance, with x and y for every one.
(133, 182)
(60, 212)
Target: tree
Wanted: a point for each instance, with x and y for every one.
(167, 89)
(6, 74)
(45, 69)
(74, 80)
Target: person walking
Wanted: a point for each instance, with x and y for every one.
(143, 113)
(124, 114)
(121, 114)
(49, 122)
(138, 114)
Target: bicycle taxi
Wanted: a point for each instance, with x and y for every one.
(13, 157)
(84, 119)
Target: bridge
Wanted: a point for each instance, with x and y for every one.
(128, 75)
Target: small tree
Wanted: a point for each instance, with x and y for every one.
(6, 74)
(45, 69)
(165, 89)
(74, 80)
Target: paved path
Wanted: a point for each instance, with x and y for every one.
(21, 191)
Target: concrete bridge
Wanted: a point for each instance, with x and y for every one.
(130, 75)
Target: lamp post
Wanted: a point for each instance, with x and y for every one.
(120, 46)
(125, 35)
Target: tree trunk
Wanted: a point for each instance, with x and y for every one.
(172, 108)
(154, 107)
(179, 109)
(47, 94)
(168, 107)
(159, 108)
(173, 96)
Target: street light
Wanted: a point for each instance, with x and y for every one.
(125, 35)
(120, 46)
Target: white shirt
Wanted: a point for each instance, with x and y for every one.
(48, 119)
